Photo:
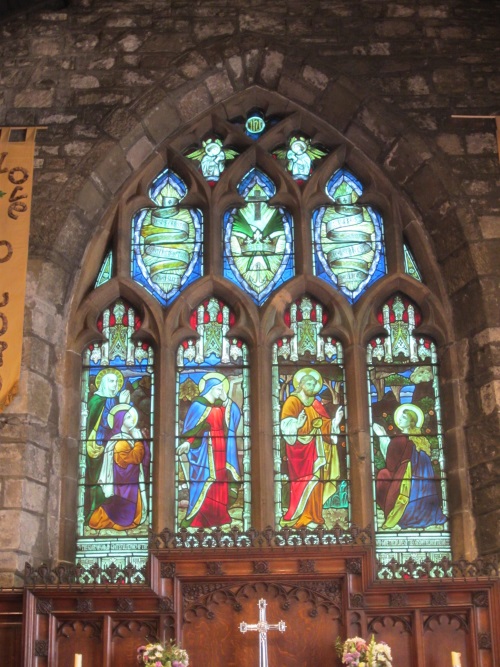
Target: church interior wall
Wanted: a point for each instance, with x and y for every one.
(112, 81)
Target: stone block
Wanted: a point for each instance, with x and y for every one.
(490, 226)
(395, 28)
(296, 91)
(481, 143)
(209, 29)
(84, 81)
(219, 86)
(12, 455)
(427, 188)
(114, 170)
(262, 22)
(450, 144)
(417, 85)
(25, 494)
(194, 103)
(162, 120)
(37, 355)
(340, 104)
(38, 99)
(363, 140)
(315, 77)
(193, 65)
(130, 43)
(90, 200)
(406, 157)
(490, 397)
(51, 282)
(450, 80)
(488, 532)
(272, 68)
(139, 152)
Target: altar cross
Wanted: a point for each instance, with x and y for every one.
(262, 627)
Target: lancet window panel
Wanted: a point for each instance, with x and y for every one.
(409, 481)
(116, 442)
(213, 474)
(311, 464)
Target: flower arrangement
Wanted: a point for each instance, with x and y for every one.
(356, 652)
(157, 655)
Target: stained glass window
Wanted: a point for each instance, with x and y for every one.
(348, 238)
(213, 424)
(300, 156)
(116, 430)
(211, 158)
(408, 466)
(166, 240)
(310, 442)
(106, 270)
(411, 267)
(258, 239)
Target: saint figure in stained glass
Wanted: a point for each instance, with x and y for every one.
(212, 158)
(348, 238)
(310, 451)
(409, 480)
(166, 252)
(300, 156)
(213, 458)
(258, 239)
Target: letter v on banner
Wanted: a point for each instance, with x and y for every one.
(17, 148)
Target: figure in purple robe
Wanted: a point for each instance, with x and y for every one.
(124, 474)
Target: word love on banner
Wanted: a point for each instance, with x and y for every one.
(17, 147)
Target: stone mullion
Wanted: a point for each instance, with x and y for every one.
(164, 435)
(213, 260)
(359, 435)
(261, 437)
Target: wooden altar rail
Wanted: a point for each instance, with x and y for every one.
(201, 596)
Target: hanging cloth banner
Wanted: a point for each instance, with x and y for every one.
(17, 147)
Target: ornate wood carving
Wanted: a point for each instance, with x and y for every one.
(306, 566)
(167, 570)
(461, 620)
(322, 594)
(480, 599)
(44, 606)
(84, 605)
(92, 628)
(353, 565)
(125, 605)
(125, 627)
(439, 599)
(165, 605)
(41, 648)
(357, 601)
(405, 621)
(261, 567)
(398, 600)
(214, 568)
(484, 640)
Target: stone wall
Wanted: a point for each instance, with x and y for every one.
(111, 80)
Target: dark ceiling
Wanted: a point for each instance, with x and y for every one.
(10, 8)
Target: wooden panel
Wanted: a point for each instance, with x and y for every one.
(397, 631)
(444, 633)
(10, 643)
(83, 637)
(128, 635)
(212, 636)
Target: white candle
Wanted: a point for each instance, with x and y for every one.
(455, 659)
(78, 660)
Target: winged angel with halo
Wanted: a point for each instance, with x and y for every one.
(300, 154)
(212, 157)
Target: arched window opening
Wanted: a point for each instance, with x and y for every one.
(309, 413)
(407, 443)
(213, 424)
(116, 436)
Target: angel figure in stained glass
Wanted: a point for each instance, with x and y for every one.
(212, 157)
(300, 155)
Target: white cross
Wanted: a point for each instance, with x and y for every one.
(262, 628)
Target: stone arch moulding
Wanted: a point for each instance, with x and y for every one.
(311, 114)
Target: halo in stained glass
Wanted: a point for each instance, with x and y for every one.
(166, 240)
(348, 238)
(409, 478)
(258, 241)
(213, 425)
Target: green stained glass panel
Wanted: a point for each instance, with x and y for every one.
(311, 465)
(411, 267)
(106, 270)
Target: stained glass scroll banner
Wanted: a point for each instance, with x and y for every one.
(116, 457)
(348, 238)
(213, 425)
(309, 423)
(258, 240)
(166, 240)
(409, 480)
